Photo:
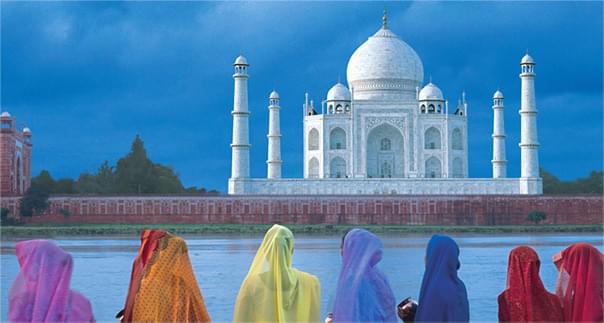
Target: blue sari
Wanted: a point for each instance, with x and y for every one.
(443, 296)
(364, 294)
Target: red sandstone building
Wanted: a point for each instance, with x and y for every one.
(15, 157)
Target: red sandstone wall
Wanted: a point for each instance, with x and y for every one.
(430, 210)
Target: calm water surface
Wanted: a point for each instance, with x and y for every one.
(102, 267)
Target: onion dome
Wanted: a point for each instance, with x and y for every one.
(431, 92)
(338, 92)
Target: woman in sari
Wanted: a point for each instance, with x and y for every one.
(274, 291)
(525, 299)
(363, 294)
(163, 287)
(580, 283)
(443, 296)
(40, 292)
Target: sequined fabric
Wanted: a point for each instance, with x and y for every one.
(525, 299)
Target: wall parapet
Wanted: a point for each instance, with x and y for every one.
(315, 209)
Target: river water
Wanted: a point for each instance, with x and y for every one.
(102, 267)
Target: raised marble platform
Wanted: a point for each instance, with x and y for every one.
(395, 186)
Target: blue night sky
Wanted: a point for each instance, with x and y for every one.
(87, 77)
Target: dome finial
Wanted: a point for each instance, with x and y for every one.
(385, 18)
(430, 77)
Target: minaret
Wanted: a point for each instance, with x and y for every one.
(274, 138)
(529, 153)
(529, 145)
(240, 167)
(499, 162)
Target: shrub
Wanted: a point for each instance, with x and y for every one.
(34, 202)
(65, 212)
(6, 219)
(536, 216)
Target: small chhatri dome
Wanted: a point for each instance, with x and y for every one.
(26, 130)
(274, 95)
(431, 92)
(498, 95)
(338, 92)
(527, 59)
(5, 114)
(241, 60)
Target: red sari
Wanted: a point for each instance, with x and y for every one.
(525, 299)
(580, 283)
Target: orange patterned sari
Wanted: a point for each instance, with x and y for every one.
(165, 290)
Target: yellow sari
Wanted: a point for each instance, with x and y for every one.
(168, 290)
(274, 291)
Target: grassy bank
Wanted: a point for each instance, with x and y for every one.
(134, 229)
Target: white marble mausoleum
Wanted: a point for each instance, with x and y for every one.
(386, 132)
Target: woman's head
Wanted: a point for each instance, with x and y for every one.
(442, 251)
(523, 268)
(580, 284)
(42, 283)
(35, 256)
(281, 241)
(360, 242)
(571, 258)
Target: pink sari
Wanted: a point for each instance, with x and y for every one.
(40, 292)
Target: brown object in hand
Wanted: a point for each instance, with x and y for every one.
(406, 310)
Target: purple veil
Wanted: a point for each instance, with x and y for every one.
(443, 296)
(363, 292)
(40, 292)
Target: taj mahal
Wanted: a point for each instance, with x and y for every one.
(385, 133)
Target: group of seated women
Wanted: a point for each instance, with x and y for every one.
(163, 287)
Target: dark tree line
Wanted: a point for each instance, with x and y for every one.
(592, 184)
(134, 173)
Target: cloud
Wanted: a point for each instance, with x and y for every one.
(88, 76)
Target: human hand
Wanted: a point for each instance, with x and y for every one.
(329, 318)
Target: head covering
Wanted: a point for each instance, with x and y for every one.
(40, 292)
(149, 240)
(580, 283)
(443, 296)
(525, 299)
(167, 288)
(274, 291)
(363, 294)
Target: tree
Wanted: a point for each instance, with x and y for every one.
(64, 186)
(105, 178)
(34, 202)
(551, 184)
(87, 184)
(165, 180)
(44, 182)
(536, 216)
(135, 173)
(593, 184)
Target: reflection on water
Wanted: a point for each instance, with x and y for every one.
(102, 267)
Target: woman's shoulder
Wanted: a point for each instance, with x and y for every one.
(80, 308)
(308, 280)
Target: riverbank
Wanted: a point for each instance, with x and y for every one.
(130, 229)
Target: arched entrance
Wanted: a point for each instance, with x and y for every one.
(337, 168)
(385, 157)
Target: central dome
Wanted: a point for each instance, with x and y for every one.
(384, 62)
